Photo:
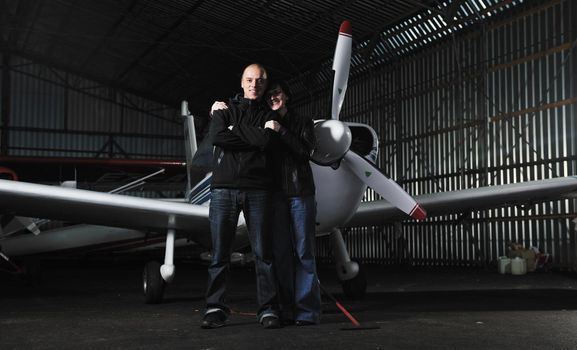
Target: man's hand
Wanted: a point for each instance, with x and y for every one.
(272, 124)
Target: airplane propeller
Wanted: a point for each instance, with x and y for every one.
(341, 66)
(384, 186)
(340, 138)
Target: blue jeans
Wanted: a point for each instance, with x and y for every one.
(225, 207)
(294, 248)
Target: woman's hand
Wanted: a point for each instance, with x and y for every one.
(218, 105)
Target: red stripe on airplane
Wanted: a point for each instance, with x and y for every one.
(418, 213)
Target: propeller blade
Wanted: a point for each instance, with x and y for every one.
(384, 186)
(341, 66)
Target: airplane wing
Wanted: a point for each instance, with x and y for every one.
(380, 212)
(97, 208)
(99, 174)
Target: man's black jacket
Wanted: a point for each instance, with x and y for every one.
(240, 158)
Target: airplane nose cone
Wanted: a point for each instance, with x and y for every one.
(333, 141)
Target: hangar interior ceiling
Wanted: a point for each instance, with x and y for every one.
(167, 51)
(105, 78)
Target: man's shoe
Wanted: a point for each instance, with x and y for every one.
(270, 322)
(304, 323)
(214, 319)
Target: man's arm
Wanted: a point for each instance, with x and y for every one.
(221, 134)
(255, 135)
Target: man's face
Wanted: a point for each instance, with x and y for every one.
(253, 82)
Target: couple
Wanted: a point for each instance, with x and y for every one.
(261, 166)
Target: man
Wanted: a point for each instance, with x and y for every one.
(241, 180)
(294, 209)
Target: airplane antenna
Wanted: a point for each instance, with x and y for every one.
(135, 183)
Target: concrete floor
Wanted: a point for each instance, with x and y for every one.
(98, 305)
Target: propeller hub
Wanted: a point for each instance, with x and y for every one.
(333, 141)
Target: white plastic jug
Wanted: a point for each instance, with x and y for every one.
(518, 266)
(504, 265)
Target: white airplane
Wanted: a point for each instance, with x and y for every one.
(343, 167)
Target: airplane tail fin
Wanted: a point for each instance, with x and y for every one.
(189, 143)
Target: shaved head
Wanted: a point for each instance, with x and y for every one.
(253, 81)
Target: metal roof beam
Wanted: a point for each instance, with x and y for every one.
(159, 40)
(17, 20)
(109, 33)
(4, 23)
(37, 11)
(41, 59)
(64, 23)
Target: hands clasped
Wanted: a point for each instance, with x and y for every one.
(272, 124)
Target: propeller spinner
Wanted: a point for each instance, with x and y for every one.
(335, 138)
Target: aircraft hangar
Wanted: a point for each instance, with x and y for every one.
(462, 94)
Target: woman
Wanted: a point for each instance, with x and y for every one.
(294, 211)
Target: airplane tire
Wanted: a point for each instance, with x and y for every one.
(152, 283)
(356, 287)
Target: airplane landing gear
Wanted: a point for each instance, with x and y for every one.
(356, 287)
(155, 277)
(352, 278)
(153, 283)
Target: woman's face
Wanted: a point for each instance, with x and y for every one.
(276, 99)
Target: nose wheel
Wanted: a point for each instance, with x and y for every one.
(152, 283)
(155, 276)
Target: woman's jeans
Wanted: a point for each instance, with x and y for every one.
(294, 247)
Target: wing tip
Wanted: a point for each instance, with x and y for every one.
(345, 28)
(418, 213)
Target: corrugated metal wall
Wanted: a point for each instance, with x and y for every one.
(53, 113)
(494, 104)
